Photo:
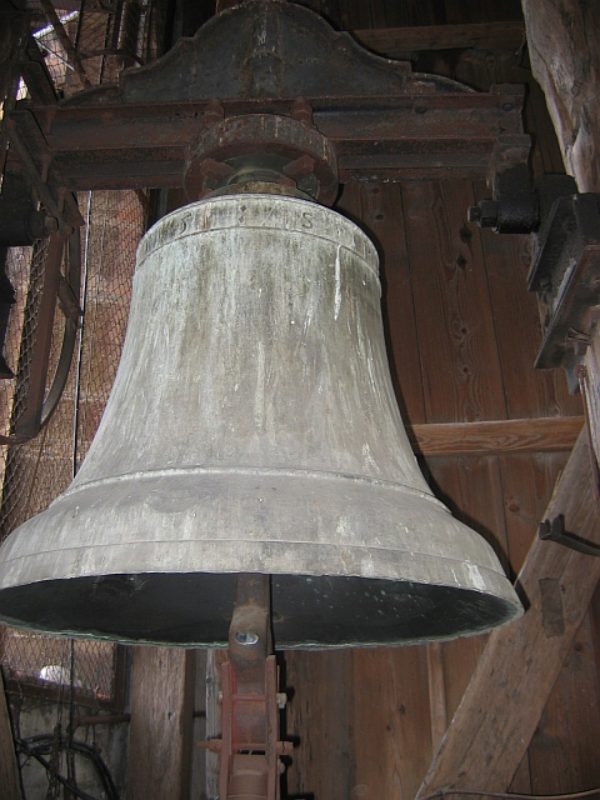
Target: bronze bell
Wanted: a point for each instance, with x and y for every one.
(253, 428)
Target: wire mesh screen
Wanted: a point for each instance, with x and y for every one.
(113, 37)
(32, 471)
(116, 223)
(105, 39)
(22, 267)
(39, 470)
(46, 661)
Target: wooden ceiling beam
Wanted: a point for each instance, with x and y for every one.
(503, 703)
(397, 42)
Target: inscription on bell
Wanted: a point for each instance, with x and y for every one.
(294, 217)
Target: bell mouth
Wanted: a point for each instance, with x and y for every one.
(308, 612)
(354, 562)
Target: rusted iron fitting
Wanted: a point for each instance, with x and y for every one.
(249, 748)
(286, 151)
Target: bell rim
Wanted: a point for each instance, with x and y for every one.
(171, 539)
(298, 635)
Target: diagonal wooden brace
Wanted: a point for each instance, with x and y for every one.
(504, 701)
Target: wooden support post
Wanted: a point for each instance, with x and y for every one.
(9, 771)
(500, 710)
(569, 30)
(160, 735)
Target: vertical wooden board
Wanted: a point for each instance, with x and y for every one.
(9, 772)
(458, 11)
(459, 358)
(332, 11)
(528, 481)
(563, 754)
(438, 712)
(162, 696)
(529, 392)
(350, 202)
(377, 209)
(198, 770)
(462, 11)
(425, 12)
(382, 216)
(356, 14)
(391, 732)
(472, 488)
(318, 718)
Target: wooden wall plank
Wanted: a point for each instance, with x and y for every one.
(438, 712)
(162, 695)
(392, 738)
(473, 490)
(425, 12)
(459, 359)
(318, 717)
(382, 217)
(460, 11)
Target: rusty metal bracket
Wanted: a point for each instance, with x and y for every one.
(58, 204)
(554, 531)
(267, 147)
(514, 205)
(250, 749)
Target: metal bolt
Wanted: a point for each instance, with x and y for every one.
(474, 214)
(246, 638)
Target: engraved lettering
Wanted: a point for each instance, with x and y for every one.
(268, 216)
(307, 220)
(184, 222)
